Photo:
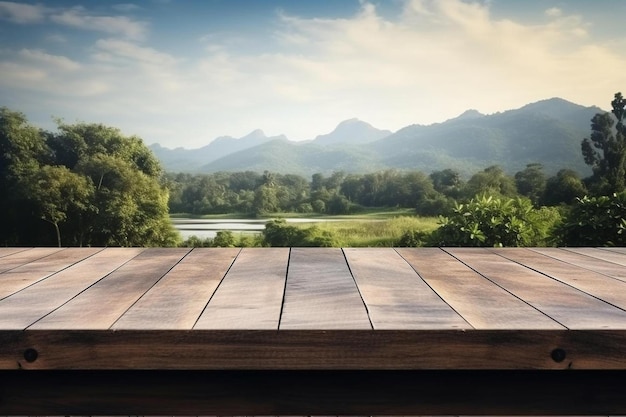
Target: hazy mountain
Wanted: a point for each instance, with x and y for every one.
(189, 160)
(548, 132)
(351, 132)
(296, 158)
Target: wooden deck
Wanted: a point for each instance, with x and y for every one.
(274, 331)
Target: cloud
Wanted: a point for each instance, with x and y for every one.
(21, 13)
(124, 26)
(115, 48)
(48, 60)
(126, 7)
(554, 12)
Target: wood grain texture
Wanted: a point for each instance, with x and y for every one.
(395, 296)
(10, 251)
(321, 293)
(574, 270)
(312, 349)
(102, 304)
(570, 307)
(19, 258)
(26, 307)
(609, 256)
(47, 262)
(590, 265)
(250, 295)
(481, 303)
(178, 299)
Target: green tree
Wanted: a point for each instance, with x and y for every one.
(605, 149)
(563, 188)
(531, 182)
(60, 195)
(492, 181)
(22, 152)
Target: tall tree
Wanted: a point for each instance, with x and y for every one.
(605, 149)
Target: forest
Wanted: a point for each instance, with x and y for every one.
(89, 185)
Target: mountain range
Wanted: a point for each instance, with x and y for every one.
(548, 132)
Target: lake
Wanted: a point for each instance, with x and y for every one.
(208, 228)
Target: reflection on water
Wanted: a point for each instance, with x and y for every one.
(208, 228)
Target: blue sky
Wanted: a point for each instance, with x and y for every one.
(181, 73)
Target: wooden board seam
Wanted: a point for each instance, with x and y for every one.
(216, 288)
(367, 310)
(504, 289)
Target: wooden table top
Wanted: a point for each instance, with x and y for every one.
(312, 308)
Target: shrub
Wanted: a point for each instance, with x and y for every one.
(490, 221)
(279, 233)
(595, 221)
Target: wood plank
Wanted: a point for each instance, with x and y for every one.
(571, 307)
(251, 294)
(25, 275)
(395, 296)
(482, 303)
(26, 307)
(321, 293)
(103, 303)
(178, 299)
(4, 251)
(604, 287)
(591, 264)
(17, 259)
(616, 249)
(609, 256)
(312, 349)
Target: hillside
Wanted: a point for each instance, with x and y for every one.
(548, 132)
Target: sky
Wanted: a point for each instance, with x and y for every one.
(183, 72)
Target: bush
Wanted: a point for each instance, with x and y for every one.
(279, 233)
(414, 238)
(595, 221)
(489, 221)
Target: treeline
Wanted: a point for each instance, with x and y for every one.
(83, 185)
(340, 193)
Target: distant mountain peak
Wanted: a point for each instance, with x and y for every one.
(352, 131)
(469, 114)
(255, 134)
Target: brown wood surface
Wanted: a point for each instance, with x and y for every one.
(321, 293)
(178, 299)
(609, 256)
(39, 267)
(24, 308)
(103, 303)
(482, 304)
(395, 296)
(569, 306)
(312, 349)
(250, 295)
(577, 271)
(10, 251)
(22, 257)
(591, 265)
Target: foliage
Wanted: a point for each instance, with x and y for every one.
(531, 182)
(91, 183)
(492, 221)
(563, 188)
(492, 181)
(605, 149)
(279, 233)
(595, 221)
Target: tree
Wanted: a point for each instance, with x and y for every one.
(605, 149)
(59, 195)
(491, 181)
(564, 187)
(22, 152)
(531, 182)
